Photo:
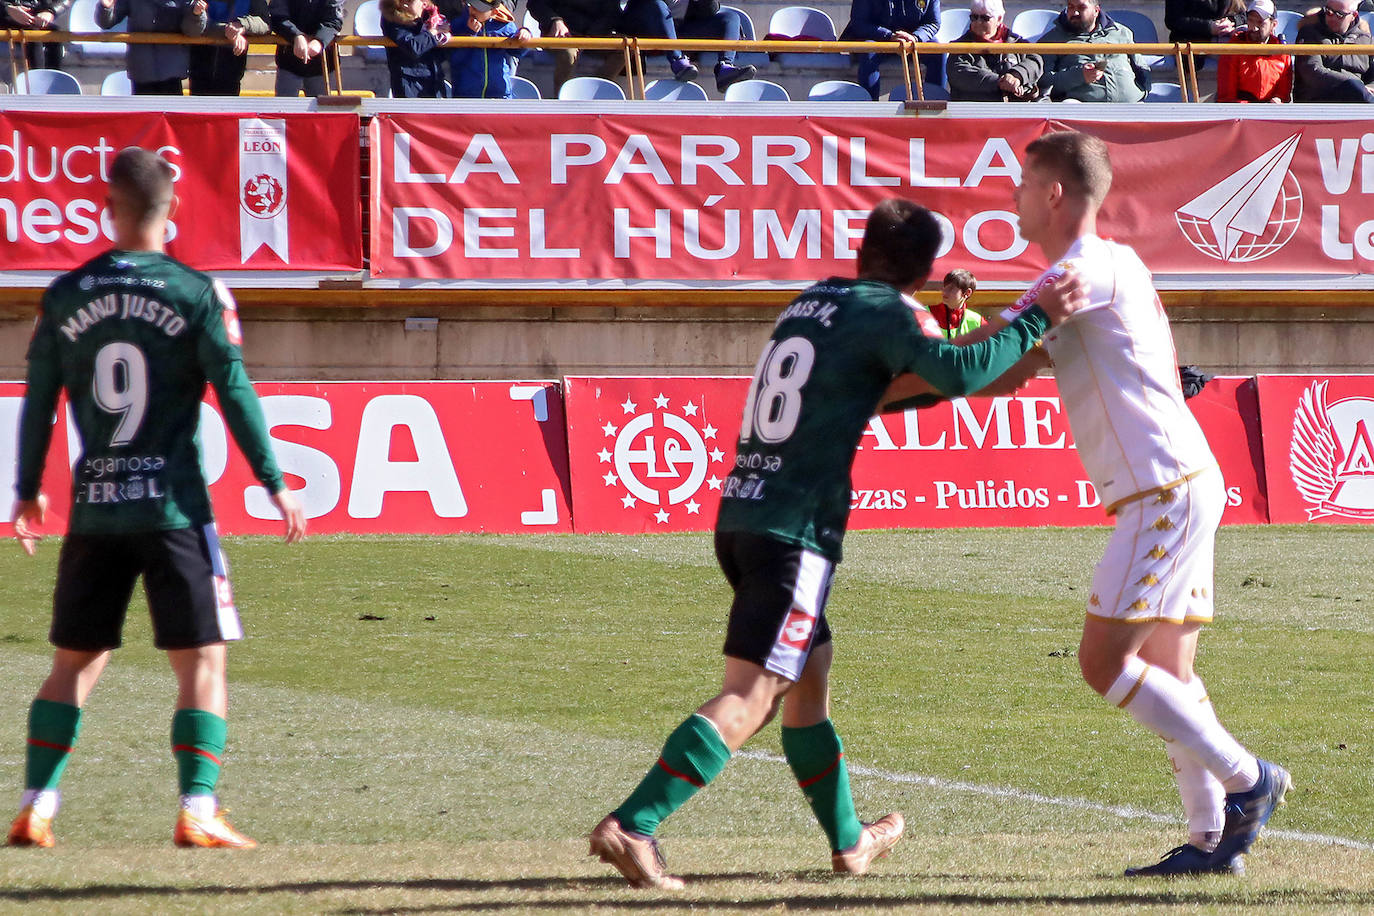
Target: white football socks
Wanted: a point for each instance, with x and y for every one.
(1204, 797)
(1159, 701)
(202, 807)
(44, 801)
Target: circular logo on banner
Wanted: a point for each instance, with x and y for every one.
(661, 457)
(1331, 455)
(263, 196)
(1250, 214)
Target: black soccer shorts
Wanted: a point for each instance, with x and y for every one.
(778, 614)
(184, 575)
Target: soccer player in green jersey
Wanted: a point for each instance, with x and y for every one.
(133, 336)
(831, 358)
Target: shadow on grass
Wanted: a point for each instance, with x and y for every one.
(572, 893)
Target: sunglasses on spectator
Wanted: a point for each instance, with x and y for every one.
(980, 17)
(1339, 14)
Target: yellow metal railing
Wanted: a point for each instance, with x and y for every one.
(634, 49)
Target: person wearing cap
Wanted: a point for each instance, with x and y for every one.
(1334, 77)
(1203, 20)
(484, 73)
(416, 64)
(1256, 77)
(1006, 77)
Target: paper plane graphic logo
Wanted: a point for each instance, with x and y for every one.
(1251, 213)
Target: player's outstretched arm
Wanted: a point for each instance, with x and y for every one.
(292, 513)
(27, 514)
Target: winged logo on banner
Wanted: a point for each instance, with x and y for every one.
(1313, 455)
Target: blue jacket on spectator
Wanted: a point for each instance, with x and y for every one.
(484, 73)
(417, 62)
(876, 20)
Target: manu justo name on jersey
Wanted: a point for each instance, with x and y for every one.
(123, 305)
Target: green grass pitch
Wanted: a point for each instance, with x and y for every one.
(426, 725)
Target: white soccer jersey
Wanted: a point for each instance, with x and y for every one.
(1117, 372)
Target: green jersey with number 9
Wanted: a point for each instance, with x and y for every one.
(832, 354)
(133, 337)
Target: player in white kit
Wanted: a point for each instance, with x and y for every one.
(1117, 373)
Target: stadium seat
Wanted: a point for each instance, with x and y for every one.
(953, 23)
(591, 88)
(1164, 92)
(674, 91)
(1031, 24)
(804, 23)
(1368, 20)
(1287, 26)
(367, 23)
(837, 91)
(707, 59)
(932, 91)
(756, 91)
(521, 88)
(83, 20)
(46, 82)
(117, 83)
(1143, 30)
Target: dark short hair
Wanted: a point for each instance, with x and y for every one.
(961, 278)
(142, 180)
(900, 241)
(1078, 161)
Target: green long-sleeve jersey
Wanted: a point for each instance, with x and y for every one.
(832, 354)
(133, 337)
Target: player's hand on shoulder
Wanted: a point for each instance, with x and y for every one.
(1066, 295)
(27, 514)
(292, 513)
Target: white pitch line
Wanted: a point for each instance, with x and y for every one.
(1077, 804)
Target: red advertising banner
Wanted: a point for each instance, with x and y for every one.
(277, 192)
(649, 454)
(407, 457)
(670, 197)
(1318, 451)
(664, 196)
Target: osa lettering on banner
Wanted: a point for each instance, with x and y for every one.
(369, 457)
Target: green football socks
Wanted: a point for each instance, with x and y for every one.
(816, 757)
(693, 756)
(52, 735)
(198, 739)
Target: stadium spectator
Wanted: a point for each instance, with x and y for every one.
(38, 15)
(1334, 77)
(1256, 78)
(993, 77)
(893, 20)
(952, 313)
(219, 69)
(416, 64)
(1203, 20)
(155, 69)
(485, 73)
(577, 19)
(139, 503)
(1154, 471)
(689, 19)
(832, 355)
(309, 27)
(1088, 76)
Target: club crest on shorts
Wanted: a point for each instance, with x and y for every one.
(660, 453)
(1331, 456)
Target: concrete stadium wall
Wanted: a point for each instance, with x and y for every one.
(495, 342)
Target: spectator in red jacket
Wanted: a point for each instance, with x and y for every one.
(1256, 78)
